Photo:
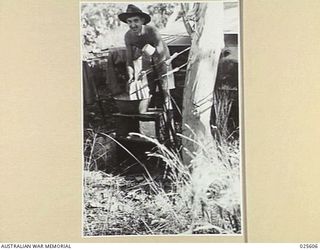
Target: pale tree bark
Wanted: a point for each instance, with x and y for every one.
(184, 10)
(207, 43)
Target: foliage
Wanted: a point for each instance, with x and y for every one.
(203, 198)
(99, 19)
(101, 27)
(98, 150)
(160, 13)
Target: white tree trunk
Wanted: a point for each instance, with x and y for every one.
(207, 43)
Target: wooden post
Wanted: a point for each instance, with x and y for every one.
(207, 43)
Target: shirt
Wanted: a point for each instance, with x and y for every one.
(149, 35)
(134, 44)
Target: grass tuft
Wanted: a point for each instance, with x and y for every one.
(202, 198)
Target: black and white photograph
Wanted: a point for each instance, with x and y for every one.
(161, 118)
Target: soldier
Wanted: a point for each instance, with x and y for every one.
(144, 42)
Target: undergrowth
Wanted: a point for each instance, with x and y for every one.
(202, 198)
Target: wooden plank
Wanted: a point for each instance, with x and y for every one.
(149, 115)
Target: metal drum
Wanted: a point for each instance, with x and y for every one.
(128, 106)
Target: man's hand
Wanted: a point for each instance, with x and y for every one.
(141, 75)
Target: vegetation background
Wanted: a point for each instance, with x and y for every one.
(101, 27)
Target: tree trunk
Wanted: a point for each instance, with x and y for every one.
(207, 43)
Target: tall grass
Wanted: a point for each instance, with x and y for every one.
(98, 149)
(223, 101)
(202, 198)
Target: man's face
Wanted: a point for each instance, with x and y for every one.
(135, 23)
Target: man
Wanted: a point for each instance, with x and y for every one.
(144, 43)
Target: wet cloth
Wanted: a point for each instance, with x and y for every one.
(138, 89)
(135, 43)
